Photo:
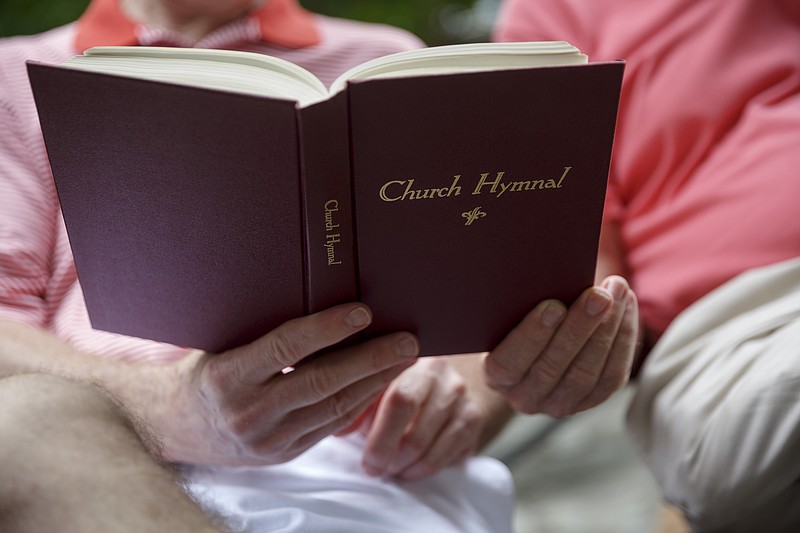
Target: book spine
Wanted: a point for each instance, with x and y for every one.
(331, 270)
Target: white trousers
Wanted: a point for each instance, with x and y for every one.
(325, 490)
(717, 407)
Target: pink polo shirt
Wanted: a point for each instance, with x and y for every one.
(38, 284)
(705, 179)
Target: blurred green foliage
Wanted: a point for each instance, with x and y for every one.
(33, 16)
(435, 21)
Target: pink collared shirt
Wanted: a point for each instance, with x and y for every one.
(38, 283)
(705, 179)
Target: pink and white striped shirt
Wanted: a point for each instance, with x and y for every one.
(38, 283)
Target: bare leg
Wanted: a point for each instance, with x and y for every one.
(71, 462)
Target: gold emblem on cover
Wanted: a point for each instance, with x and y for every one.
(473, 215)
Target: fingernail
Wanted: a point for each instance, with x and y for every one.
(618, 288)
(357, 318)
(552, 314)
(406, 346)
(599, 299)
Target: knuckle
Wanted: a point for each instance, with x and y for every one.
(545, 371)
(285, 347)
(278, 444)
(402, 401)
(340, 406)
(348, 416)
(474, 416)
(321, 384)
(302, 444)
(268, 453)
(416, 444)
(581, 377)
(374, 355)
(218, 376)
(573, 335)
(603, 340)
(458, 387)
(241, 423)
(617, 377)
(285, 441)
(616, 374)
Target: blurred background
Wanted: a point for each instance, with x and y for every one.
(435, 21)
(580, 475)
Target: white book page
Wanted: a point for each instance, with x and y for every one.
(474, 57)
(244, 72)
(261, 75)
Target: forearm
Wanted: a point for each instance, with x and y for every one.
(497, 410)
(74, 463)
(26, 349)
(237, 407)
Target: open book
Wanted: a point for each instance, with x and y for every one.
(211, 195)
(262, 75)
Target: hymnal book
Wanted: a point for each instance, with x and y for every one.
(210, 196)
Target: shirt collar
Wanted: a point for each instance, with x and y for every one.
(281, 22)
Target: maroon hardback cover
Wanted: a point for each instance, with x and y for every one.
(422, 267)
(182, 205)
(205, 219)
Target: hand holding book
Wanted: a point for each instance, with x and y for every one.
(557, 361)
(560, 361)
(244, 407)
(247, 409)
